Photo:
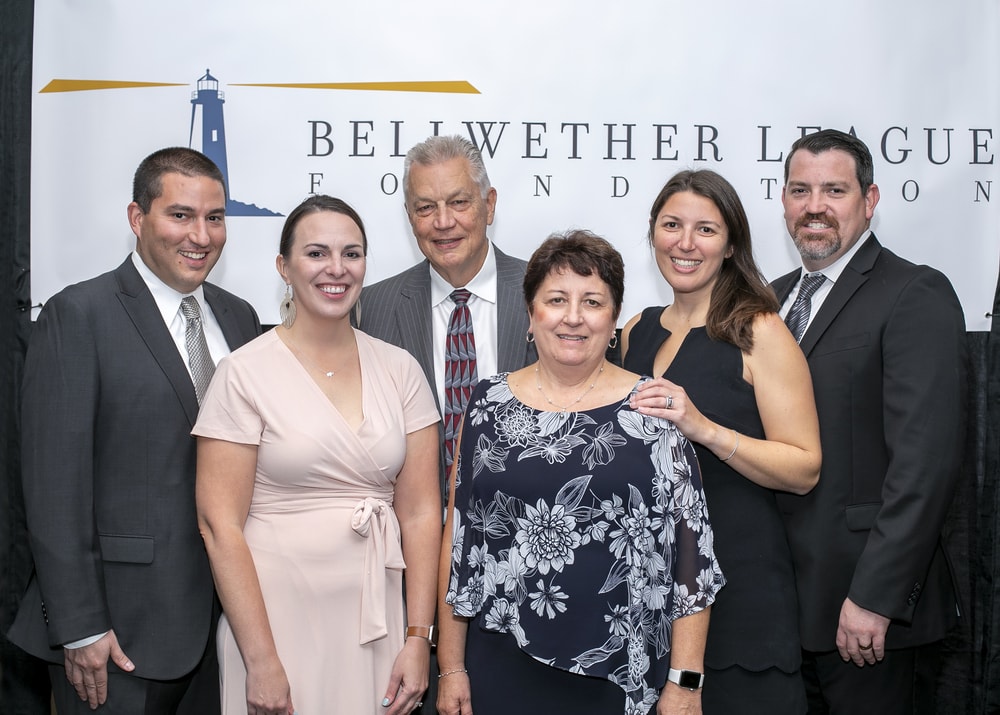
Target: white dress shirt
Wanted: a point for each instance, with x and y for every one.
(832, 274)
(482, 306)
(169, 300)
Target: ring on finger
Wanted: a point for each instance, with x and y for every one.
(669, 402)
(865, 647)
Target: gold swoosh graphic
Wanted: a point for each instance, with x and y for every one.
(85, 85)
(458, 87)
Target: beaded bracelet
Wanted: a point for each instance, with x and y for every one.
(735, 447)
(452, 672)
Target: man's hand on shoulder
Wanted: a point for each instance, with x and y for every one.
(87, 668)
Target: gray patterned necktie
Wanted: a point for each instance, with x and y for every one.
(798, 315)
(199, 358)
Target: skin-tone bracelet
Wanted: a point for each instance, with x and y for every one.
(452, 672)
(735, 446)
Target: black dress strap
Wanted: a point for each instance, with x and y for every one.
(644, 340)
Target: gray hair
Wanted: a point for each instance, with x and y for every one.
(439, 149)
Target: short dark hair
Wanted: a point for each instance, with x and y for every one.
(829, 139)
(585, 254)
(147, 184)
(315, 204)
(740, 293)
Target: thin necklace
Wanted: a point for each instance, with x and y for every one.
(308, 363)
(538, 384)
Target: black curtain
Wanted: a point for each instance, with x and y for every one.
(24, 682)
(967, 677)
(966, 680)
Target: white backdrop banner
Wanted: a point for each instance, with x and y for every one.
(582, 109)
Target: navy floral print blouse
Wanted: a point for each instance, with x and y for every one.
(583, 535)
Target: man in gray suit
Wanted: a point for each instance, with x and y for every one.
(121, 603)
(450, 202)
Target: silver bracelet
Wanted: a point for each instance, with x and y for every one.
(452, 672)
(735, 447)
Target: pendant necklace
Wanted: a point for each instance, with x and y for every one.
(538, 384)
(309, 363)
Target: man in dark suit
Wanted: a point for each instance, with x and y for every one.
(121, 602)
(450, 202)
(885, 341)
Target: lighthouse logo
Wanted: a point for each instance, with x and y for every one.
(208, 128)
(206, 115)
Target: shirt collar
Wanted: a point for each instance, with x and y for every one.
(168, 300)
(835, 269)
(483, 285)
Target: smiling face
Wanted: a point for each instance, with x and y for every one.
(182, 235)
(325, 266)
(572, 318)
(449, 217)
(690, 241)
(826, 211)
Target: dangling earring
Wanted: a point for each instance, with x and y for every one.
(286, 309)
(530, 337)
(614, 342)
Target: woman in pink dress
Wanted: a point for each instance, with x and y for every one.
(317, 487)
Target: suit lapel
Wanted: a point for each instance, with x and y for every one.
(224, 317)
(138, 303)
(783, 286)
(414, 319)
(854, 276)
(512, 325)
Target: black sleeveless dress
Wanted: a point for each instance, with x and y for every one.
(754, 623)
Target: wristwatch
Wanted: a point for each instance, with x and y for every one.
(687, 679)
(428, 632)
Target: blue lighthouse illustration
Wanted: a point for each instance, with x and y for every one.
(207, 102)
(206, 109)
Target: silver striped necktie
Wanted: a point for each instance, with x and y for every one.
(199, 358)
(798, 315)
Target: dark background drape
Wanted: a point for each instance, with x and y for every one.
(967, 680)
(23, 680)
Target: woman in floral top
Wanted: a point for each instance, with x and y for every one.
(577, 568)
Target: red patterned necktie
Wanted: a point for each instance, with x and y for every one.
(459, 369)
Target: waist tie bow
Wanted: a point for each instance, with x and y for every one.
(375, 520)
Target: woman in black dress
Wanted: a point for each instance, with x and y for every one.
(734, 381)
(577, 566)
